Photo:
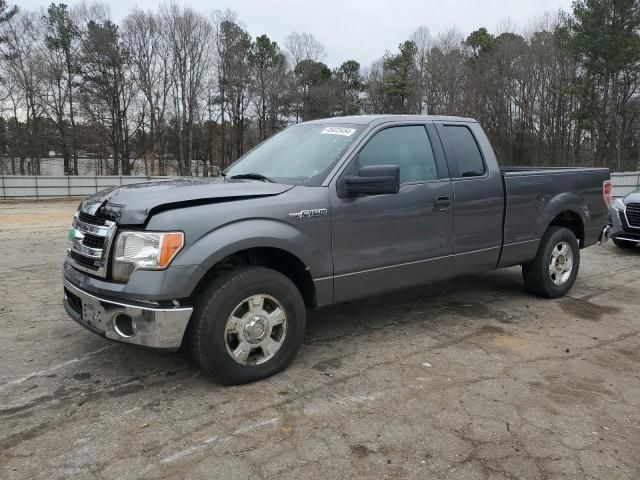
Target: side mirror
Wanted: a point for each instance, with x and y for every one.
(374, 180)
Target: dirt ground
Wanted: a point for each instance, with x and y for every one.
(472, 378)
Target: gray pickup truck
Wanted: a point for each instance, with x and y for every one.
(324, 212)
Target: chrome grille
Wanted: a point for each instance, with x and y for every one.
(632, 212)
(91, 219)
(90, 253)
(93, 241)
(84, 261)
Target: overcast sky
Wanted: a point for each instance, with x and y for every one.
(358, 29)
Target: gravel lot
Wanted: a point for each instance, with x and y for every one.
(473, 378)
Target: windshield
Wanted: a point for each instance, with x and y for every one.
(299, 155)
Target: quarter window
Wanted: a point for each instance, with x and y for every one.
(407, 147)
(465, 151)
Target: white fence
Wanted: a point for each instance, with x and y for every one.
(17, 186)
(624, 183)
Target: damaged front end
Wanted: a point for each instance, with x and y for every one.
(120, 280)
(91, 235)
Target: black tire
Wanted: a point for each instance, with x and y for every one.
(536, 272)
(624, 243)
(207, 337)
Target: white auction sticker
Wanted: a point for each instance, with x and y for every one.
(347, 132)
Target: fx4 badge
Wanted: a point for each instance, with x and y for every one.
(316, 212)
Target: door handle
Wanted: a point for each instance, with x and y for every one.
(442, 203)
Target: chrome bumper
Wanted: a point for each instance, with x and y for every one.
(161, 328)
(604, 235)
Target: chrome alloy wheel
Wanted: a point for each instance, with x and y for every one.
(561, 263)
(255, 330)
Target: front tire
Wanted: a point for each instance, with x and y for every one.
(624, 243)
(248, 324)
(553, 271)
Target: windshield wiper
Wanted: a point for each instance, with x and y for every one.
(252, 176)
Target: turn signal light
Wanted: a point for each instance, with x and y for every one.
(171, 244)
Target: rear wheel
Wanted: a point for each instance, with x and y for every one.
(553, 271)
(624, 243)
(248, 324)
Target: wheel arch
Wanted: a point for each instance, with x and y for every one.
(264, 242)
(571, 220)
(565, 210)
(275, 258)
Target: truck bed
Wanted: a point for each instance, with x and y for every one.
(530, 196)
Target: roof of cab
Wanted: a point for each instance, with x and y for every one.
(377, 119)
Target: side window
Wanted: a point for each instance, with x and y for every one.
(408, 147)
(465, 150)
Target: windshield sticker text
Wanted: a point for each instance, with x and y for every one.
(346, 132)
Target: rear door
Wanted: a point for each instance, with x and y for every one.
(384, 242)
(478, 198)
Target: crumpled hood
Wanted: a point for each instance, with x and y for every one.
(134, 204)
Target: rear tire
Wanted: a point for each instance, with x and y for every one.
(553, 271)
(248, 324)
(624, 243)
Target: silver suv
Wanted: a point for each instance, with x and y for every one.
(625, 220)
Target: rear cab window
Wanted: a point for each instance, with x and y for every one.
(466, 153)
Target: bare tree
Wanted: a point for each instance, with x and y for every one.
(221, 56)
(189, 35)
(304, 46)
(237, 45)
(91, 11)
(269, 73)
(374, 101)
(6, 13)
(423, 42)
(152, 65)
(446, 74)
(62, 39)
(108, 88)
(24, 84)
(235, 59)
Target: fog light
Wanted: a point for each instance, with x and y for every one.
(125, 326)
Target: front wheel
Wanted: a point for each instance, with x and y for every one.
(248, 324)
(553, 271)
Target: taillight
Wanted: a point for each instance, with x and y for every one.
(607, 192)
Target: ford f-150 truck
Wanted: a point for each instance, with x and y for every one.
(324, 212)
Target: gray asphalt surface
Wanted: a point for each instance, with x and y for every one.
(473, 378)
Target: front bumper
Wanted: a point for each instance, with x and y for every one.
(620, 229)
(153, 327)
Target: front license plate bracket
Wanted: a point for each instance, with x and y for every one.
(92, 314)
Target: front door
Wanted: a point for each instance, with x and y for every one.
(382, 242)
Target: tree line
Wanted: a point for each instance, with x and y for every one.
(177, 91)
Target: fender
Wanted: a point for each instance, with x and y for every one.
(525, 248)
(562, 202)
(253, 233)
